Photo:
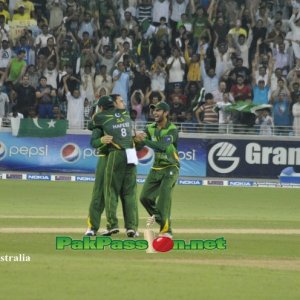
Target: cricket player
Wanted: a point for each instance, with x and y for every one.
(156, 195)
(97, 203)
(120, 171)
(98, 141)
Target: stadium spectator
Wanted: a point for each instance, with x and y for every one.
(210, 117)
(261, 89)
(158, 74)
(51, 74)
(210, 76)
(144, 10)
(240, 90)
(103, 80)
(16, 68)
(265, 122)
(4, 13)
(45, 94)
(28, 6)
(4, 28)
(4, 101)
(281, 58)
(33, 75)
(141, 80)
(121, 82)
(49, 52)
(75, 114)
(119, 41)
(161, 8)
(137, 103)
(66, 55)
(176, 67)
(296, 116)
(88, 83)
(26, 43)
(41, 39)
(88, 25)
(5, 54)
(129, 22)
(177, 108)
(108, 58)
(221, 108)
(26, 96)
(295, 35)
(281, 88)
(281, 114)
(193, 64)
(21, 14)
(57, 114)
(56, 12)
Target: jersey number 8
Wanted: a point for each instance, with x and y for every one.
(123, 132)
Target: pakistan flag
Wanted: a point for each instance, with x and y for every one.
(38, 127)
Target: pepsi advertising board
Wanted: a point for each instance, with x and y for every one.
(251, 158)
(73, 154)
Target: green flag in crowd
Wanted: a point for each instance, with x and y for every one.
(247, 107)
(241, 106)
(39, 128)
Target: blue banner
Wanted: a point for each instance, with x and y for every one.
(73, 154)
(229, 158)
(251, 158)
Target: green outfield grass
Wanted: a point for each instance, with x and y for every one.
(254, 266)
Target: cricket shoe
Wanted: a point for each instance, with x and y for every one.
(132, 233)
(150, 221)
(110, 232)
(166, 234)
(90, 232)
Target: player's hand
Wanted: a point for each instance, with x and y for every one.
(140, 136)
(106, 139)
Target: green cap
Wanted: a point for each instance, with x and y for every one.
(106, 102)
(161, 106)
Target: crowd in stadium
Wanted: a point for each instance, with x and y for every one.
(57, 57)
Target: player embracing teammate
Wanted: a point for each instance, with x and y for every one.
(118, 172)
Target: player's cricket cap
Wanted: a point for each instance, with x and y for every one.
(161, 106)
(106, 102)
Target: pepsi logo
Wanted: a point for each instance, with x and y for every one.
(70, 152)
(2, 150)
(145, 155)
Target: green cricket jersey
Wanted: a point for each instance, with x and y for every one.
(95, 142)
(164, 143)
(117, 123)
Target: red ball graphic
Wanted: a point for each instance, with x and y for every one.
(163, 244)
